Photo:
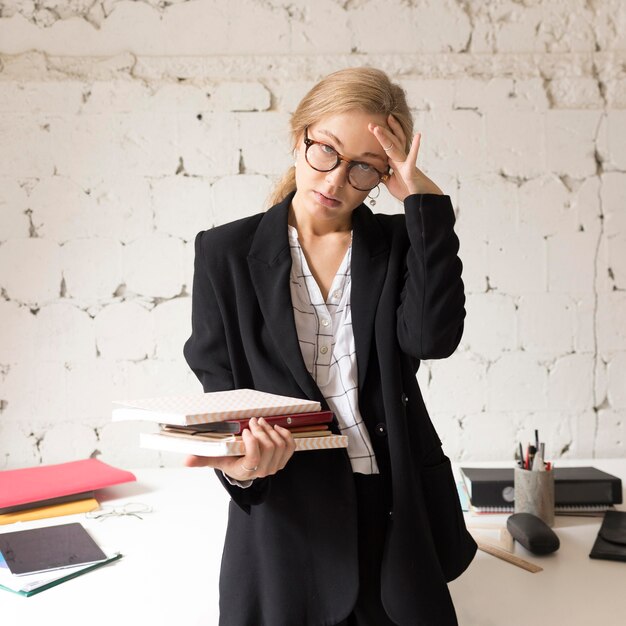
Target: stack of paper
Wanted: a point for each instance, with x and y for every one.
(210, 424)
(52, 490)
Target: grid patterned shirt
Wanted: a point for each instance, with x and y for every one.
(326, 340)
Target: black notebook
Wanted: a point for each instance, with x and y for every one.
(573, 486)
(48, 548)
(610, 543)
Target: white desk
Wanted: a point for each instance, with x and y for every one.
(170, 568)
(573, 590)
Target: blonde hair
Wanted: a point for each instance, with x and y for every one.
(362, 88)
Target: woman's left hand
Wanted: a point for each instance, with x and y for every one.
(267, 450)
(407, 178)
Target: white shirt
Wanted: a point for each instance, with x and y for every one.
(326, 340)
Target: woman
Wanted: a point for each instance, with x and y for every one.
(319, 298)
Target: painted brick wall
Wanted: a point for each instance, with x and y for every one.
(126, 127)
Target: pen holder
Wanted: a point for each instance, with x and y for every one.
(534, 493)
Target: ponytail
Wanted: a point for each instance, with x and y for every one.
(283, 187)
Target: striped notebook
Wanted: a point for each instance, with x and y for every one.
(217, 406)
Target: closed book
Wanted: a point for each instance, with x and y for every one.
(494, 486)
(236, 426)
(230, 445)
(168, 429)
(52, 510)
(48, 548)
(217, 406)
(585, 510)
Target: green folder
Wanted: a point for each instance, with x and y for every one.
(54, 578)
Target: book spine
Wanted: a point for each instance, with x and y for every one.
(229, 447)
(286, 421)
(588, 492)
(566, 493)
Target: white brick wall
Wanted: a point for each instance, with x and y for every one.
(127, 127)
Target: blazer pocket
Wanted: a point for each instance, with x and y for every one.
(453, 543)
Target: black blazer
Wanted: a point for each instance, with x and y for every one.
(290, 554)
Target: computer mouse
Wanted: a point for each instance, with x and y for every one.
(533, 533)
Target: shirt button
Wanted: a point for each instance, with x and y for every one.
(381, 430)
(323, 349)
(325, 322)
(404, 399)
(337, 294)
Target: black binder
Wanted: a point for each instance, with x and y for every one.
(573, 486)
(610, 543)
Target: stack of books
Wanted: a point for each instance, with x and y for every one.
(51, 490)
(577, 490)
(211, 424)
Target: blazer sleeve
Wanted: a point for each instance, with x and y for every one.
(432, 304)
(206, 353)
(206, 350)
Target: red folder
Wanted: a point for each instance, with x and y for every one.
(236, 426)
(46, 482)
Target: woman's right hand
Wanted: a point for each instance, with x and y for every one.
(268, 448)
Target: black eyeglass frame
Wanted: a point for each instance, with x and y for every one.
(308, 142)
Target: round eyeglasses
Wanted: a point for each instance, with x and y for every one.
(132, 509)
(324, 158)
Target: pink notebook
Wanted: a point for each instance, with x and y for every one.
(45, 482)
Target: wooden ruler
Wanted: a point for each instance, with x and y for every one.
(506, 541)
(507, 556)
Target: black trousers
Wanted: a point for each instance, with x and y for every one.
(373, 517)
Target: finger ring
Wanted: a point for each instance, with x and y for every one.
(388, 147)
(248, 469)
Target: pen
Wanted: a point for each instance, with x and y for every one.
(538, 464)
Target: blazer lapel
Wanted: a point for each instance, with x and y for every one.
(370, 253)
(269, 262)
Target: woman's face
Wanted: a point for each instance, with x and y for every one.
(328, 196)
